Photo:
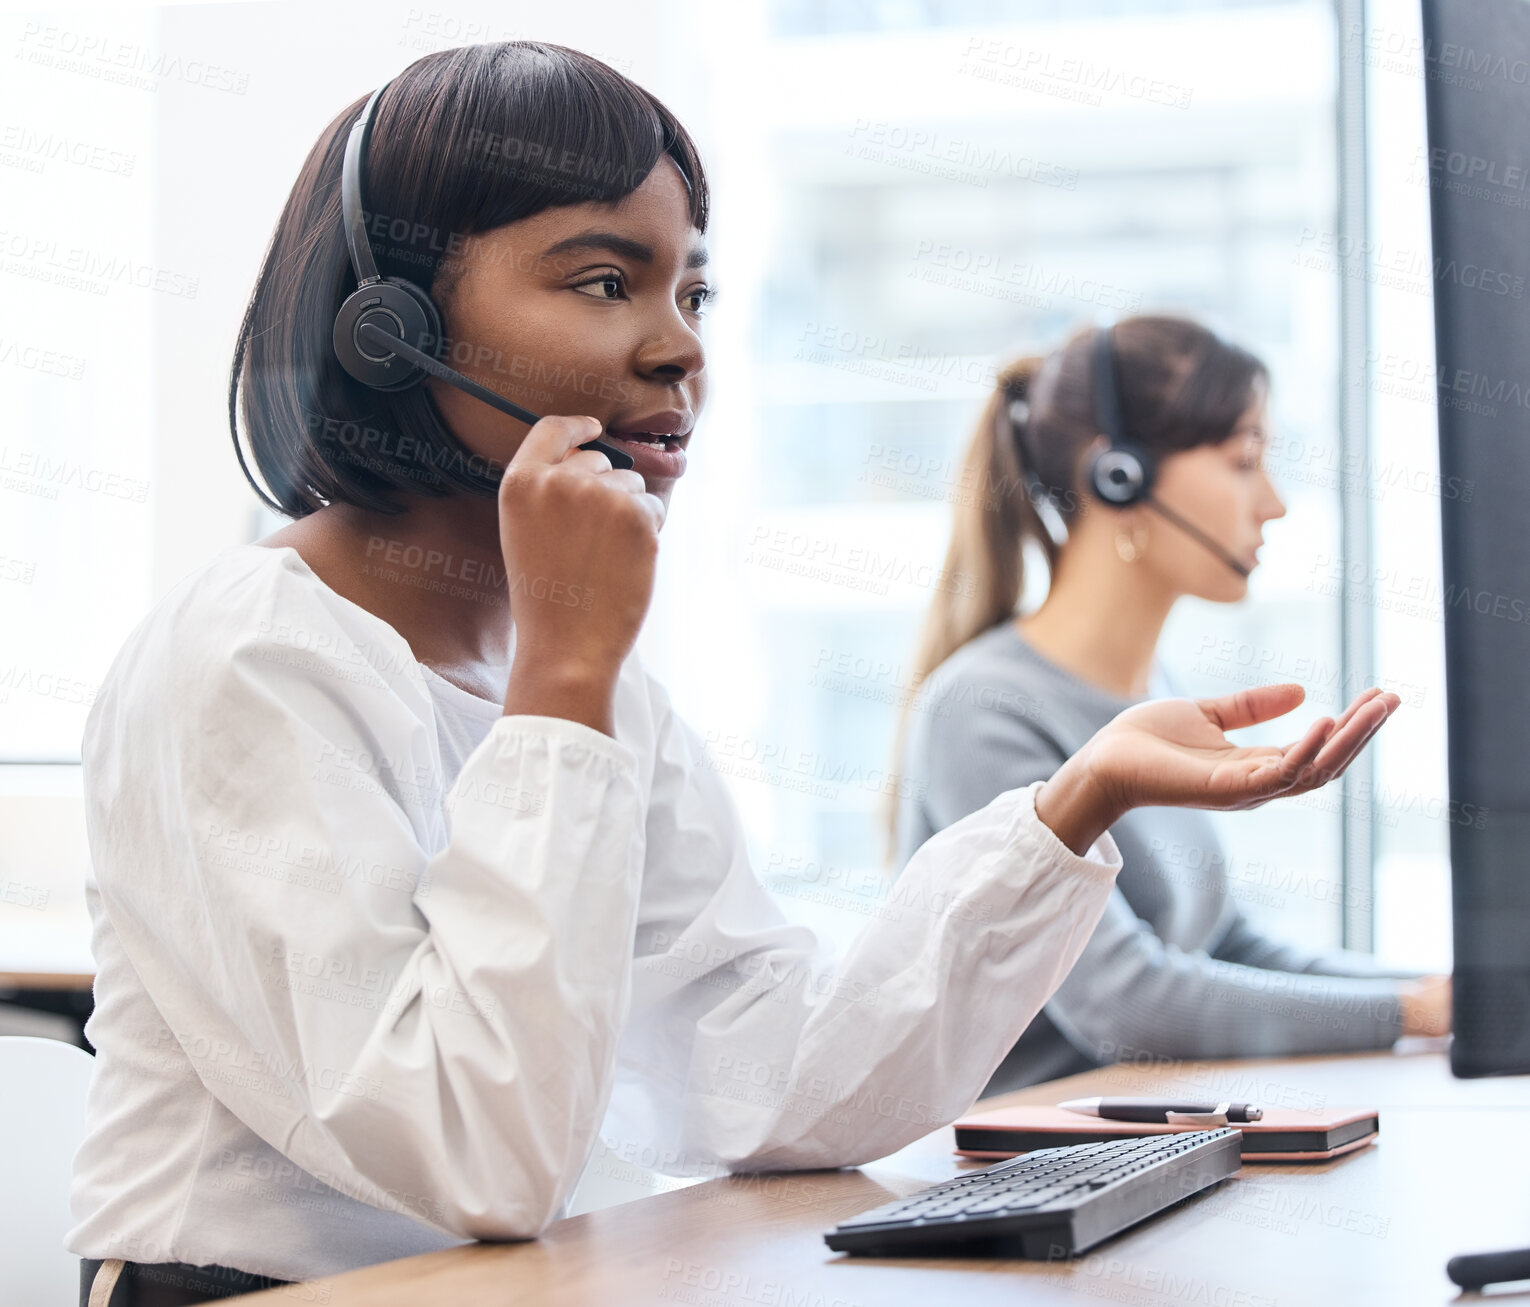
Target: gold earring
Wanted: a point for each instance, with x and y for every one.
(1128, 547)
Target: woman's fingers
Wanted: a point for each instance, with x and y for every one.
(1304, 752)
(1328, 747)
(650, 504)
(1360, 700)
(1261, 703)
(1344, 744)
(597, 464)
(1277, 770)
(551, 440)
(1340, 750)
(580, 543)
(1301, 755)
(589, 460)
(1247, 707)
(1168, 754)
(593, 462)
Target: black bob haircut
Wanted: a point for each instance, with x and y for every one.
(463, 141)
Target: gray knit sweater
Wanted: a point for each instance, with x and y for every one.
(1174, 968)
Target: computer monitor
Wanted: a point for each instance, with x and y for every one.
(1477, 85)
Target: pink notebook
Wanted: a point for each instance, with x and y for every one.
(1284, 1135)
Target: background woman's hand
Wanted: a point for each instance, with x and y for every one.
(1174, 753)
(1426, 1006)
(580, 543)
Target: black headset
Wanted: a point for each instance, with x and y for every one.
(1122, 473)
(387, 328)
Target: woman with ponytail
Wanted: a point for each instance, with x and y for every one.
(1173, 968)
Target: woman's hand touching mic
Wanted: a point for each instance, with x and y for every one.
(1173, 753)
(580, 543)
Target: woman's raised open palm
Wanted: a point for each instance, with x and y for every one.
(1175, 753)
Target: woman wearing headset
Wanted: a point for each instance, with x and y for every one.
(1173, 969)
(408, 882)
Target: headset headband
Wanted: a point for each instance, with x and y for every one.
(355, 219)
(1108, 414)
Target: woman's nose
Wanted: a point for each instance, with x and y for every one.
(673, 350)
(1273, 506)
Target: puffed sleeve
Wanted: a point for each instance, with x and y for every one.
(749, 1049)
(263, 803)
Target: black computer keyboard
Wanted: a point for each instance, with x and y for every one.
(1051, 1203)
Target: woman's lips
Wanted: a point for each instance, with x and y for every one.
(653, 462)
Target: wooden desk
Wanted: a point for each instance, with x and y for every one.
(51, 981)
(1449, 1176)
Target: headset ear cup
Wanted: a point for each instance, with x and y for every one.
(1121, 475)
(431, 336)
(400, 308)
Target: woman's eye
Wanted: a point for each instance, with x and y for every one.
(698, 299)
(598, 287)
(1249, 459)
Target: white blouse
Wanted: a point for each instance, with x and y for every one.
(378, 964)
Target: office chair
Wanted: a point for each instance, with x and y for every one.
(43, 1083)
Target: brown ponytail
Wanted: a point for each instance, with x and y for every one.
(991, 523)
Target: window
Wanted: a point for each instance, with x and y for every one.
(926, 191)
(907, 193)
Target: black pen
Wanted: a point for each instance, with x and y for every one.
(1162, 1111)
